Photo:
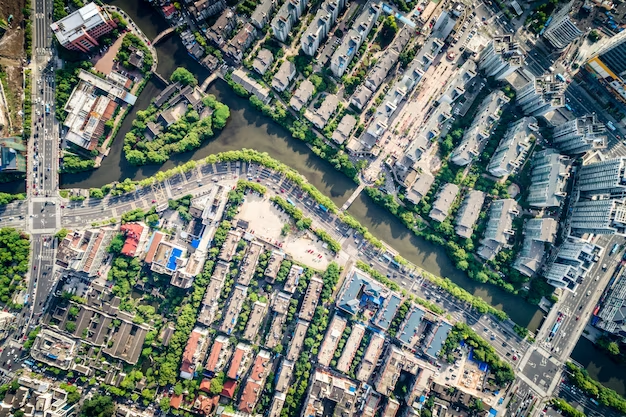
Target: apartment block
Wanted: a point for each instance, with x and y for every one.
(248, 263)
(371, 357)
(611, 312)
(261, 15)
(291, 283)
(327, 388)
(333, 335)
(537, 233)
(297, 339)
(350, 348)
(609, 66)
(499, 228)
(354, 39)
(574, 258)
(468, 213)
(273, 265)
(397, 361)
(561, 31)
(287, 16)
(443, 202)
(219, 355)
(318, 29)
(599, 217)
(360, 292)
(230, 246)
(456, 87)
(501, 57)
(387, 311)
(253, 327)
(541, 95)
(580, 135)
(513, 148)
(549, 175)
(222, 29)
(79, 31)
(210, 302)
(605, 177)
(234, 307)
(420, 187)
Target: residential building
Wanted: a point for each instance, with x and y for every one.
(537, 233)
(604, 177)
(255, 382)
(240, 362)
(311, 298)
(210, 302)
(541, 95)
(302, 95)
(429, 132)
(561, 30)
(435, 339)
(253, 327)
(319, 28)
(580, 135)
(284, 375)
(574, 258)
(360, 292)
(370, 357)
(468, 213)
(251, 86)
(609, 65)
(194, 353)
(263, 61)
(501, 57)
(80, 30)
(327, 388)
(219, 33)
(475, 137)
(599, 217)
(273, 265)
(291, 283)
(295, 347)
(612, 313)
(548, 180)
(387, 311)
(321, 116)
(513, 148)
(456, 87)
(397, 361)
(278, 401)
(499, 228)
(344, 129)
(230, 246)
(234, 307)
(391, 408)
(441, 206)
(12, 155)
(285, 74)
(420, 187)
(219, 356)
(240, 43)
(287, 16)
(134, 237)
(54, 349)
(333, 335)
(203, 9)
(248, 263)
(350, 348)
(353, 40)
(261, 15)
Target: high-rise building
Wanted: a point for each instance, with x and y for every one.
(537, 232)
(541, 95)
(319, 28)
(599, 216)
(550, 172)
(609, 64)
(501, 57)
(287, 16)
(79, 31)
(580, 135)
(571, 264)
(605, 177)
(513, 148)
(561, 31)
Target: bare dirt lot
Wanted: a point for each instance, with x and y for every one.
(11, 58)
(12, 42)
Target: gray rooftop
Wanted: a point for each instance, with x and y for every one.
(342, 133)
(468, 213)
(302, 95)
(263, 61)
(445, 197)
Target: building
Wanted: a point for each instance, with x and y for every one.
(230, 246)
(291, 283)
(54, 349)
(248, 264)
(302, 95)
(210, 302)
(273, 265)
(420, 187)
(513, 148)
(456, 87)
(501, 57)
(605, 177)
(360, 292)
(612, 313)
(371, 357)
(537, 233)
(12, 155)
(234, 307)
(220, 31)
(322, 115)
(295, 347)
(574, 258)
(277, 404)
(92, 103)
(168, 258)
(475, 137)
(609, 66)
(468, 213)
(443, 202)
(353, 40)
(580, 135)
(318, 29)
(251, 86)
(240, 43)
(203, 9)
(541, 95)
(396, 362)
(330, 389)
(263, 61)
(219, 355)
(255, 382)
(194, 353)
(549, 175)
(134, 235)
(350, 348)
(561, 31)
(287, 16)
(499, 228)
(599, 217)
(311, 298)
(344, 129)
(333, 335)
(79, 31)
(283, 77)
(253, 327)
(261, 15)
(240, 362)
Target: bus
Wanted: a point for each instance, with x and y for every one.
(47, 108)
(610, 125)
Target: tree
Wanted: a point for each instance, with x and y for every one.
(117, 243)
(613, 348)
(593, 36)
(217, 384)
(96, 193)
(389, 30)
(61, 234)
(98, 406)
(136, 157)
(184, 77)
(285, 230)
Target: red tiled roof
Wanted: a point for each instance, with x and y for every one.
(156, 239)
(190, 350)
(205, 385)
(168, 10)
(235, 363)
(229, 389)
(259, 370)
(251, 393)
(206, 404)
(176, 400)
(214, 356)
(132, 231)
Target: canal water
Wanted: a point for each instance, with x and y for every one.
(248, 129)
(600, 367)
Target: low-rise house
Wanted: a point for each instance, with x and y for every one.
(240, 43)
(333, 335)
(350, 348)
(263, 61)
(344, 129)
(240, 362)
(251, 86)
(283, 77)
(193, 354)
(221, 30)
(311, 298)
(321, 116)
(255, 382)
(261, 15)
(420, 187)
(443, 202)
(234, 307)
(219, 356)
(499, 227)
(468, 213)
(302, 95)
(371, 356)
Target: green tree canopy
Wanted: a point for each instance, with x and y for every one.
(98, 406)
(183, 76)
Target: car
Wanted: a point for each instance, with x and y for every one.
(35, 267)
(153, 201)
(577, 318)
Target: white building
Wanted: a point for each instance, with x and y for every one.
(287, 16)
(499, 228)
(550, 172)
(541, 95)
(513, 148)
(561, 31)
(580, 135)
(319, 28)
(501, 57)
(571, 264)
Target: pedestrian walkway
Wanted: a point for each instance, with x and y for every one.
(353, 197)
